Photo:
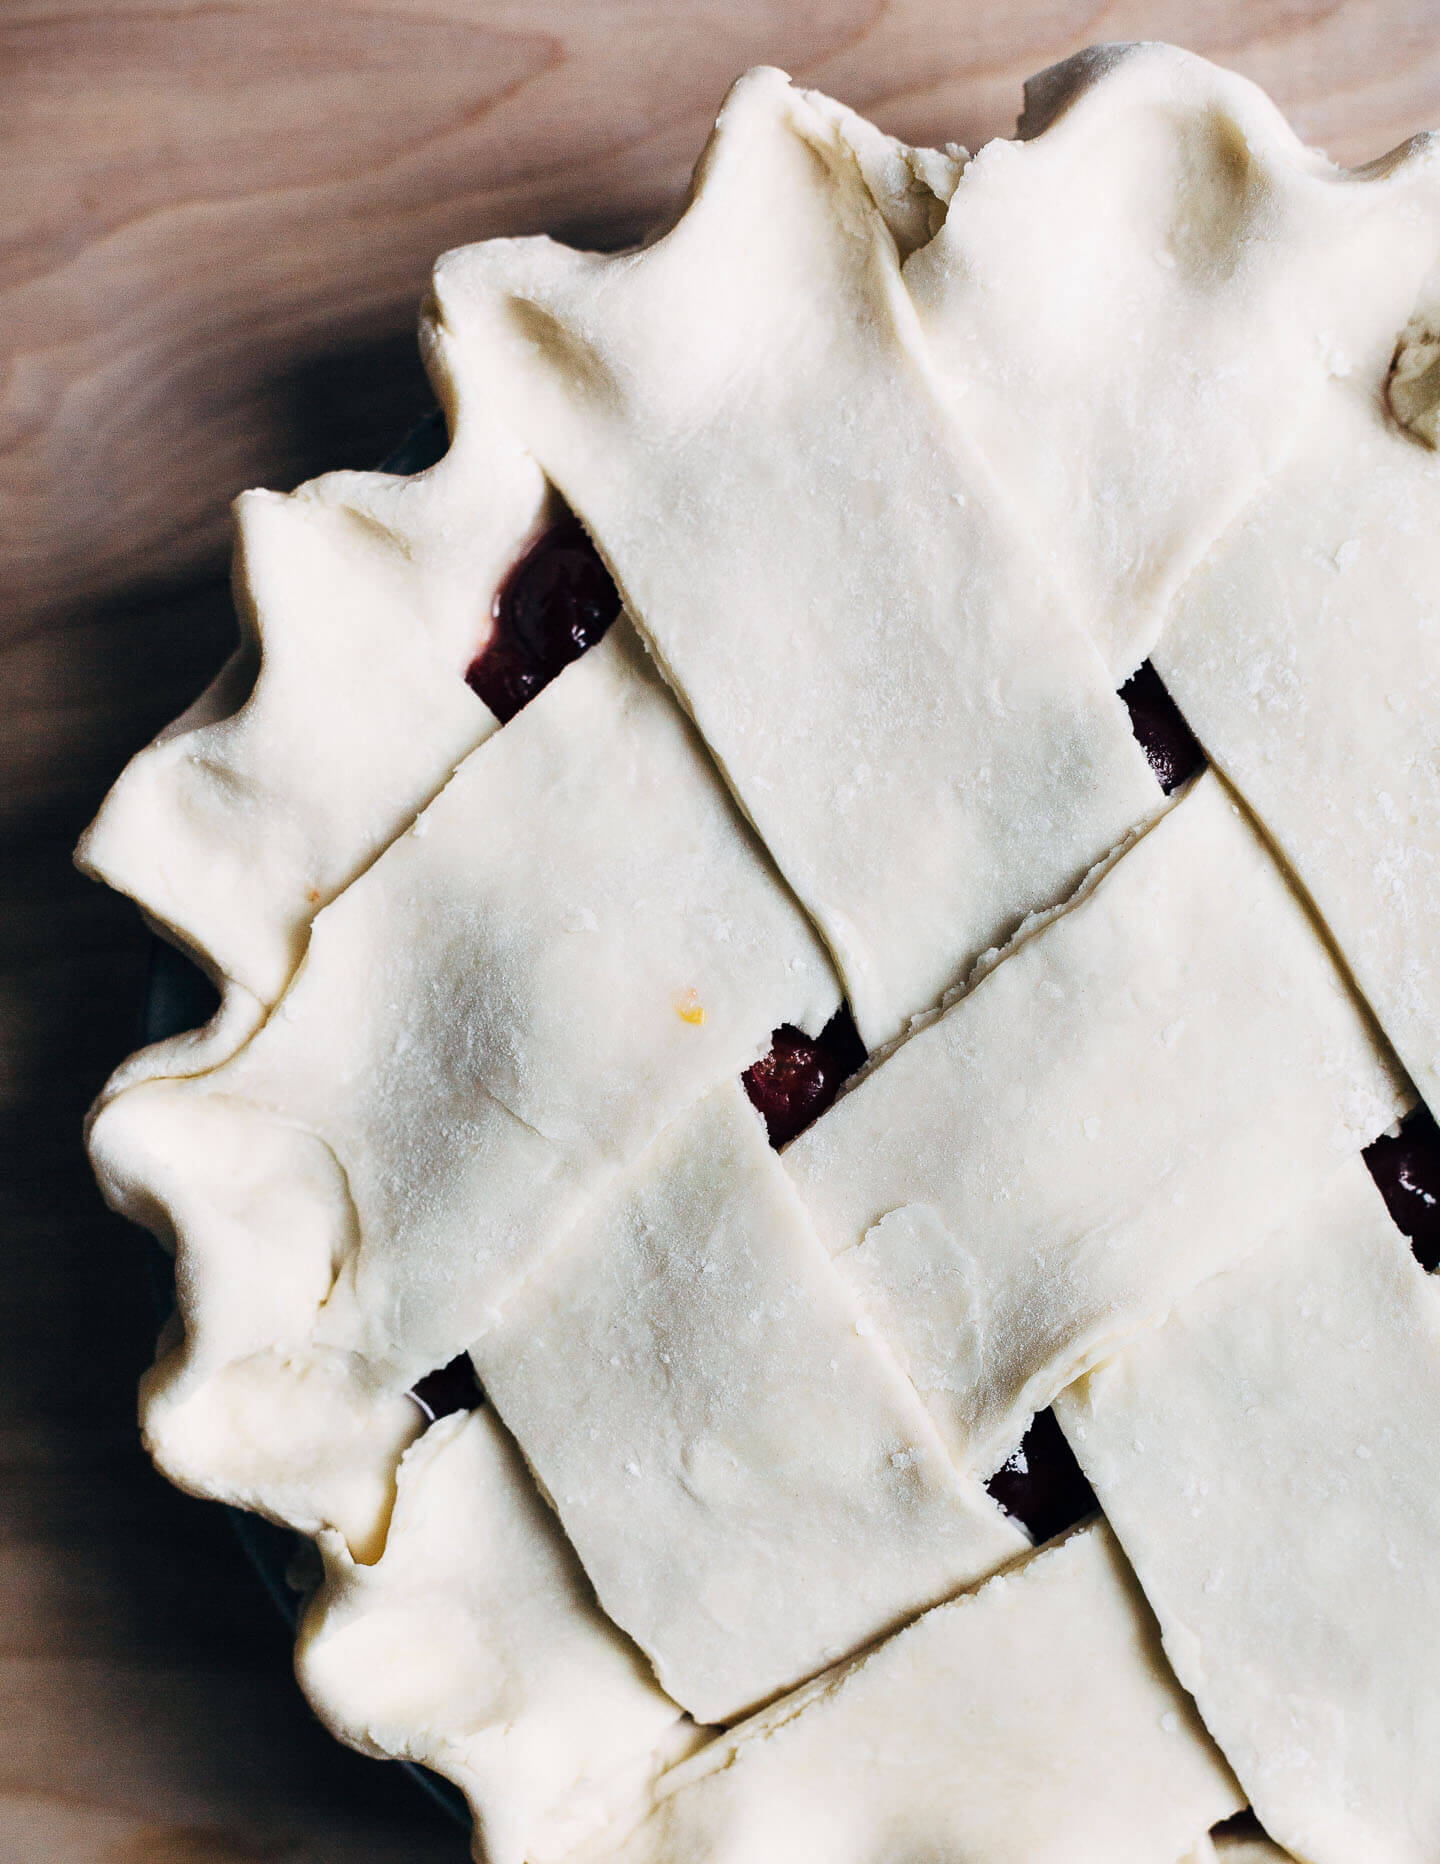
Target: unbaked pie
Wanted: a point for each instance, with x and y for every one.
(849, 568)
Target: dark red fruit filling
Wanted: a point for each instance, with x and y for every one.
(798, 1079)
(1165, 738)
(1239, 1825)
(452, 1388)
(1407, 1171)
(1042, 1484)
(557, 601)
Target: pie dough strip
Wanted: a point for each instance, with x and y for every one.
(1269, 1461)
(745, 416)
(1033, 1722)
(474, 1647)
(362, 599)
(1135, 307)
(752, 1485)
(1306, 655)
(576, 940)
(1125, 1104)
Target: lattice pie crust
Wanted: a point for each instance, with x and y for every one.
(902, 462)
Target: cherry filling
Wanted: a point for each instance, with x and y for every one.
(1042, 1484)
(451, 1388)
(1407, 1171)
(1239, 1825)
(557, 601)
(1165, 738)
(801, 1075)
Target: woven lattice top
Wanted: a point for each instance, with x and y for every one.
(902, 464)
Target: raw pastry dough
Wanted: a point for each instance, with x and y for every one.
(241, 1405)
(1125, 1104)
(746, 417)
(576, 940)
(1270, 1459)
(362, 600)
(1136, 306)
(1034, 1722)
(753, 1487)
(827, 433)
(1306, 654)
(473, 1645)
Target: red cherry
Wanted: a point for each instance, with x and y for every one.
(1407, 1171)
(557, 601)
(1239, 1825)
(451, 1388)
(801, 1075)
(1042, 1484)
(1165, 738)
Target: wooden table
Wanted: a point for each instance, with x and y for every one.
(217, 222)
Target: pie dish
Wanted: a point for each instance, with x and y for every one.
(891, 501)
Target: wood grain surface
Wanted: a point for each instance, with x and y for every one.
(215, 224)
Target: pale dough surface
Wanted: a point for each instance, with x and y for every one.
(1136, 306)
(474, 1646)
(753, 1486)
(1306, 654)
(577, 939)
(242, 1405)
(1033, 1722)
(746, 417)
(825, 431)
(1125, 1103)
(336, 1192)
(362, 599)
(1270, 1459)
